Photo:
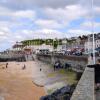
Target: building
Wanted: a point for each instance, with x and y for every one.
(97, 43)
(36, 48)
(88, 46)
(18, 46)
(62, 47)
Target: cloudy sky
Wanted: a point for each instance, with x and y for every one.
(29, 19)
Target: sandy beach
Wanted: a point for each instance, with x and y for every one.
(16, 84)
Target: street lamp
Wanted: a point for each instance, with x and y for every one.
(92, 22)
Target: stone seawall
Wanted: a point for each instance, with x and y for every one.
(78, 63)
(5, 58)
(85, 87)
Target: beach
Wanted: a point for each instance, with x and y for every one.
(16, 83)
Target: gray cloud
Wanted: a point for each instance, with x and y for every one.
(23, 4)
(29, 4)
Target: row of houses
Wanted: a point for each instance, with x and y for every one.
(82, 42)
(89, 43)
(66, 45)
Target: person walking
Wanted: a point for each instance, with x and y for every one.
(6, 65)
(24, 67)
(40, 69)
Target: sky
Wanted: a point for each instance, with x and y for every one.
(30, 19)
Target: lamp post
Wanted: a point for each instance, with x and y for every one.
(92, 22)
(92, 57)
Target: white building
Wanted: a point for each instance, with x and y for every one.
(97, 43)
(89, 46)
(18, 46)
(46, 47)
(61, 48)
(36, 48)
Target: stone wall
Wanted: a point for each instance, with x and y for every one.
(85, 87)
(5, 58)
(78, 63)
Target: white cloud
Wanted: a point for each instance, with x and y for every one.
(46, 31)
(50, 24)
(18, 37)
(88, 25)
(2, 37)
(42, 33)
(97, 11)
(78, 32)
(66, 14)
(31, 14)
(19, 4)
(25, 14)
(4, 33)
(5, 11)
(49, 33)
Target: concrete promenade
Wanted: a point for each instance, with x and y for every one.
(85, 88)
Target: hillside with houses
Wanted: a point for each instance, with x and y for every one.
(70, 46)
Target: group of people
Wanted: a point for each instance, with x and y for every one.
(59, 65)
(24, 67)
(5, 66)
